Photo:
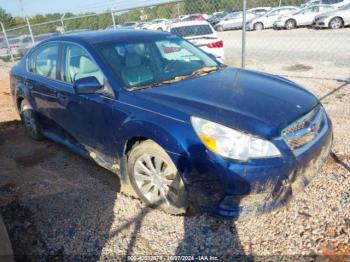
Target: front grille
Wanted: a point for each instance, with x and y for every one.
(306, 129)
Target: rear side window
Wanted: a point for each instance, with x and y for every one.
(193, 30)
(44, 61)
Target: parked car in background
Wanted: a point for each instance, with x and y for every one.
(201, 34)
(304, 17)
(259, 10)
(216, 17)
(333, 19)
(194, 17)
(232, 21)
(267, 20)
(178, 132)
(20, 45)
(157, 24)
(336, 3)
(129, 25)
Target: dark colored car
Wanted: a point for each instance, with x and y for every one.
(178, 127)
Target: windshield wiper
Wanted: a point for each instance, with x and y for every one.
(200, 72)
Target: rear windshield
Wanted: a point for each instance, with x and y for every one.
(192, 30)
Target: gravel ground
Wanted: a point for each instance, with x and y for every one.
(57, 203)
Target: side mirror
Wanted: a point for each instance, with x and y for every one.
(87, 85)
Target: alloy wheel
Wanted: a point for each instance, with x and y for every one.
(289, 24)
(258, 27)
(336, 23)
(156, 179)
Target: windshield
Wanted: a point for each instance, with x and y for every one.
(192, 30)
(148, 63)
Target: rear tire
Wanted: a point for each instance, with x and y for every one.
(258, 26)
(219, 28)
(336, 23)
(155, 178)
(290, 24)
(30, 121)
(160, 29)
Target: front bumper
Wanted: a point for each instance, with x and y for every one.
(229, 188)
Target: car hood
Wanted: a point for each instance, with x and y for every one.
(258, 103)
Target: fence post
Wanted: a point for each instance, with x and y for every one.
(113, 18)
(244, 32)
(62, 22)
(7, 41)
(27, 20)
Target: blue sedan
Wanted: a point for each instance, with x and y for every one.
(179, 128)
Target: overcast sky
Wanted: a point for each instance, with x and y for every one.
(32, 7)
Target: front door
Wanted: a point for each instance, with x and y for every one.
(89, 117)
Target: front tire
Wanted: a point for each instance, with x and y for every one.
(155, 178)
(258, 26)
(290, 24)
(30, 121)
(219, 28)
(336, 23)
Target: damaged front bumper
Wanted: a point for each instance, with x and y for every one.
(227, 188)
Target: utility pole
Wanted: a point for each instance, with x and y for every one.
(27, 20)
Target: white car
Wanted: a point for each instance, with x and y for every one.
(334, 19)
(201, 34)
(336, 3)
(157, 24)
(259, 10)
(304, 17)
(233, 21)
(267, 20)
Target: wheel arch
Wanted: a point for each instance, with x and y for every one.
(259, 22)
(341, 18)
(138, 131)
(291, 19)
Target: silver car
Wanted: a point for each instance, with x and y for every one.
(233, 21)
(267, 20)
(334, 19)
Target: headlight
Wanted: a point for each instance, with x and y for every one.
(231, 143)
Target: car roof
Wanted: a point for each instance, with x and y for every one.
(93, 37)
(189, 23)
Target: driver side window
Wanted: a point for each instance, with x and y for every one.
(78, 64)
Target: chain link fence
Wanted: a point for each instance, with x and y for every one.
(300, 50)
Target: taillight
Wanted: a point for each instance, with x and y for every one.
(218, 44)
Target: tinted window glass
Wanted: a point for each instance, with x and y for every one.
(192, 30)
(44, 61)
(78, 64)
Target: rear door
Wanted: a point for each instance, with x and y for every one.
(43, 81)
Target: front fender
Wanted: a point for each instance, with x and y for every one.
(167, 133)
